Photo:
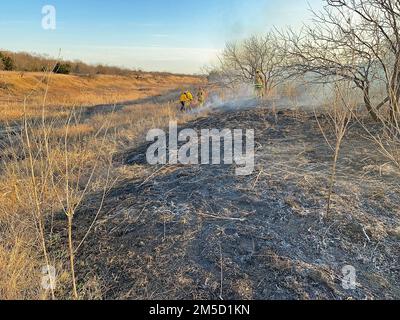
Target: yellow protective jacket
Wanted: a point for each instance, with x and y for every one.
(259, 81)
(189, 96)
(186, 97)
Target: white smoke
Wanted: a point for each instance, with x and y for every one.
(308, 98)
(240, 98)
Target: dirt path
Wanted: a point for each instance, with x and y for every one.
(201, 232)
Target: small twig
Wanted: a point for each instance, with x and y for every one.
(141, 212)
(221, 218)
(366, 235)
(257, 179)
(152, 175)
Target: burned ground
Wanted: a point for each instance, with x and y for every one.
(201, 232)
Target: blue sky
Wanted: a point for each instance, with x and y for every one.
(163, 35)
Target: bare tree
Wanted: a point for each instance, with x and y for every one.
(240, 60)
(353, 40)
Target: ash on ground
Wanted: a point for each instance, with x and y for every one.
(201, 232)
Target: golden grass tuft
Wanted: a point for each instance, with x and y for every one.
(18, 270)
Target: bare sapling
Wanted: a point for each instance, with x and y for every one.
(63, 168)
(78, 180)
(339, 115)
(37, 183)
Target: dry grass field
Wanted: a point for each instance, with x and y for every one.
(79, 90)
(56, 157)
(201, 232)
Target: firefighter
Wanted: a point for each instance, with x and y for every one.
(201, 97)
(185, 100)
(259, 85)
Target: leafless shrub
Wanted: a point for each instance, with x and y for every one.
(339, 116)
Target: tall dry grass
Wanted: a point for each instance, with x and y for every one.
(73, 90)
(48, 169)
